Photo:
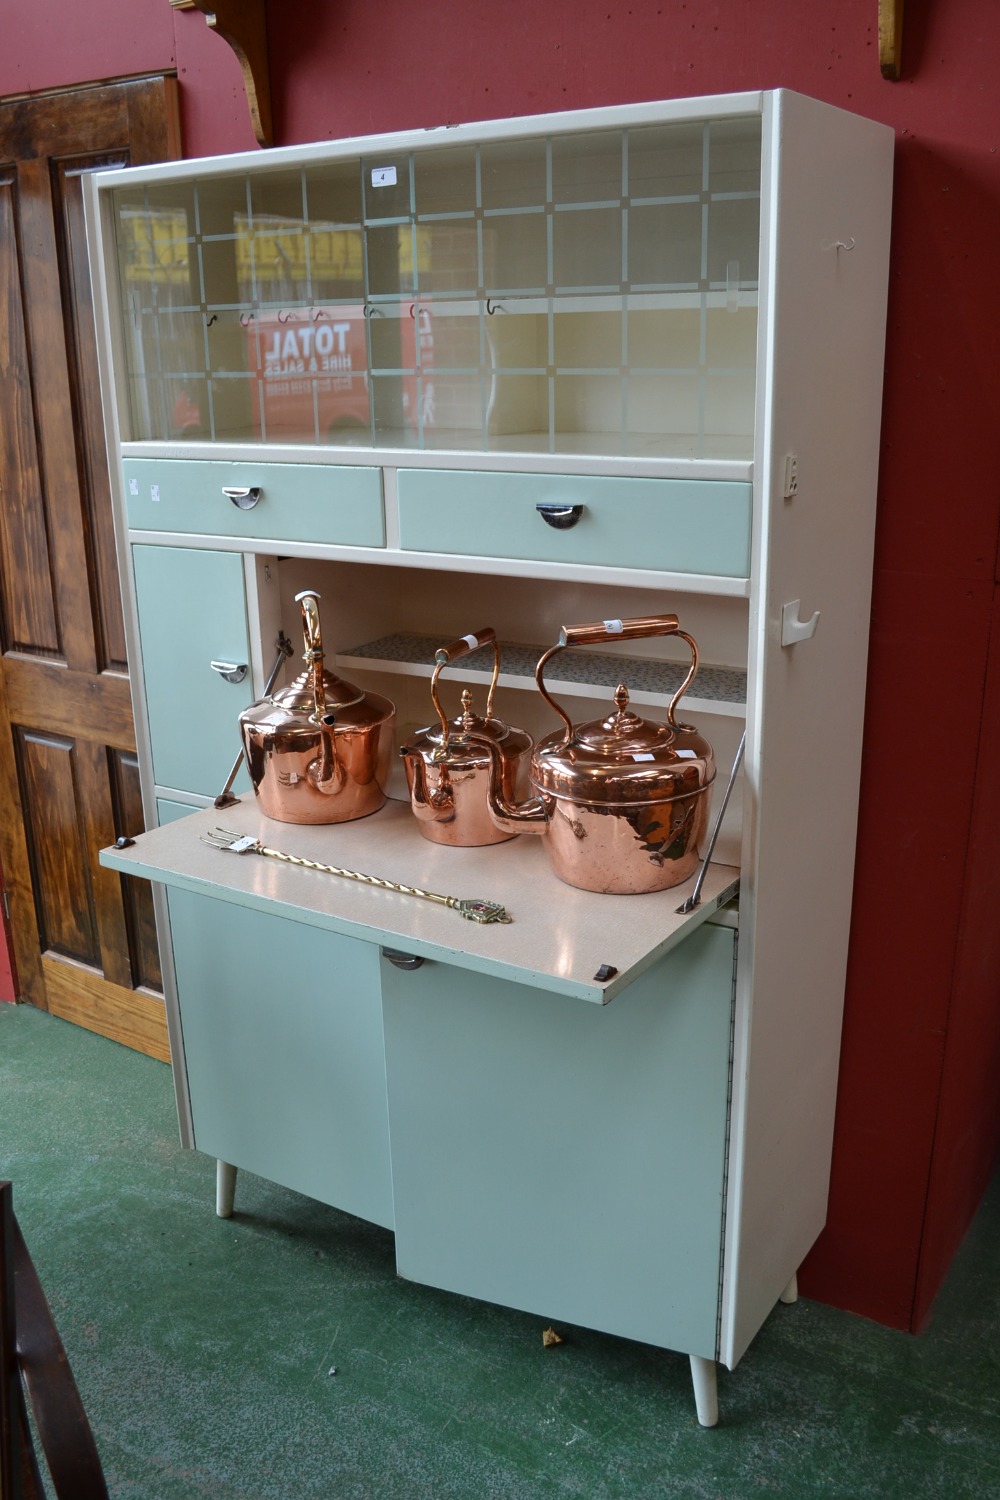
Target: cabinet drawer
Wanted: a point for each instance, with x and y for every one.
(670, 525)
(298, 502)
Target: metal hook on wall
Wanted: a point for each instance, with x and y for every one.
(286, 317)
(847, 244)
(246, 319)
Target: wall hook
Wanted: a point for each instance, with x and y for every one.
(847, 244)
(246, 319)
(493, 307)
(213, 319)
(286, 317)
(793, 628)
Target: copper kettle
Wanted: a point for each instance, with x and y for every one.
(448, 767)
(621, 802)
(320, 750)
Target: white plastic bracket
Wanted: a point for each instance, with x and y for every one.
(790, 478)
(793, 628)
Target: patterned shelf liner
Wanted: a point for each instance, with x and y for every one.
(722, 684)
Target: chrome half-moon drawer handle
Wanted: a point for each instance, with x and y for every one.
(562, 517)
(232, 671)
(243, 499)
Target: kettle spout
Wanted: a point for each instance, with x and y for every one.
(327, 773)
(437, 806)
(531, 816)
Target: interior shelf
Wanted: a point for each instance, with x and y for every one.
(612, 443)
(558, 302)
(718, 690)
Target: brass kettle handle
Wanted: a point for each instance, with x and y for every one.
(313, 656)
(454, 651)
(640, 627)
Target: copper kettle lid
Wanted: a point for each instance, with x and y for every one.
(624, 758)
(467, 723)
(318, 695)
(300, 696)
(453, 739)
(459, 741)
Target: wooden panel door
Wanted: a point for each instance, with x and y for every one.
(84, 941)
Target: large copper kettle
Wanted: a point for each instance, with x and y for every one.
(448, 768)
(621, 802)
(320, 750)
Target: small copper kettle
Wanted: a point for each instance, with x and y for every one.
(448, 768)
(320, 750)
(622, 802)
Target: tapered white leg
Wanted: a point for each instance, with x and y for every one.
(225, 1189)
(791, 1292)
(706, 1392)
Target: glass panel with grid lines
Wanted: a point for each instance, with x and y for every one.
(591, 292)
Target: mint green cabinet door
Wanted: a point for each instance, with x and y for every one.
(282, 1031)
(192, 611)
(562, 1158)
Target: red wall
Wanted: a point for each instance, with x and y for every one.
(919, 1117)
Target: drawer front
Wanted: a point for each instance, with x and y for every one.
(668, 525)
(192, 610)
(297, 503)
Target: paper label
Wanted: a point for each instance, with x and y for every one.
(472, 641)
(133, 486)
(154, 492)
(687, 755)
(644, 755)
(614, 627)
(383, 176)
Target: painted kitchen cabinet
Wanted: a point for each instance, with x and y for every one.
(526, 373)
(576, 1170)
(191, 610)
(286, 1078)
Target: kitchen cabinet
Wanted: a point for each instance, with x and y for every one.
(526, 373)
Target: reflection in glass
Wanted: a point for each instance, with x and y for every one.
(580, 293)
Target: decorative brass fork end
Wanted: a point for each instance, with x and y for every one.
(245, 843)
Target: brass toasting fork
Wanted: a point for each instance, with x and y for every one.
(245, 843)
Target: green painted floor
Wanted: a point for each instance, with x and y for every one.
(203, 1348)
